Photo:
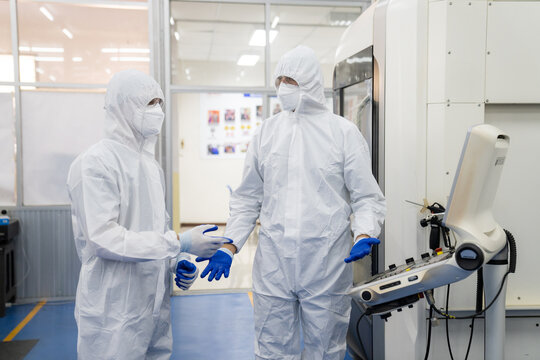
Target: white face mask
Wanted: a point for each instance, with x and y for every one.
(289, 96)
(152, 121)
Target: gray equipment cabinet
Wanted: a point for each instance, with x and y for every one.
(8, 233)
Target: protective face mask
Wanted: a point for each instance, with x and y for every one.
(289, 96)
(152, 121)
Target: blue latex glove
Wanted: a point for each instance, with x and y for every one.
(361, 248)
(186, 273)
(218, 265)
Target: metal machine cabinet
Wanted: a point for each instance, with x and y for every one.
(7, 264)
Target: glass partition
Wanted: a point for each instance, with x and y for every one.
(6, 58)
(81, 42)
(319, 27)
(7, 147)
(56, 126)
(217, 44)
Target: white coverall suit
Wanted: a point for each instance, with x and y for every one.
(127, 251)
(305, 173)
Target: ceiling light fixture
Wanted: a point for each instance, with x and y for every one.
(171, 20)
(67, 33)
(52, 77)
(41, 49)
(38, 70)
(275, 22)
(46, 13)
(76, 59)
(125, 50)
(49, 59)
(248, 60)
(130, 58)
(177, 35)
(259, 37)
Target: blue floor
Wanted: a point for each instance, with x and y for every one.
(204, 327)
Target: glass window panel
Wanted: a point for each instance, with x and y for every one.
(7, 147)
(81, 43)
(56, 126)
(318, 27)
(6, 58)
(358, 107)
(210, 44)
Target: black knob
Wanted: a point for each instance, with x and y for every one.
(399, 310)
(409, 261)
(392, 266)
(425, 256)
(366, 295)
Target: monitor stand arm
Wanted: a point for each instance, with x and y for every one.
(495, 316)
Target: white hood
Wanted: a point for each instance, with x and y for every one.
(128, 95)
(301, 64)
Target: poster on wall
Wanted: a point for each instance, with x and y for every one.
(228, 122)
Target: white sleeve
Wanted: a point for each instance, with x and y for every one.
(245, 202)
(95, 202)
(367, 201)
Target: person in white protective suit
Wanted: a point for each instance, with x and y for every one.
(306, 172)
(121, 231)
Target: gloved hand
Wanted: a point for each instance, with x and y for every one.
(218, 265)
(361, 248)
(186, 273)
(196, 242)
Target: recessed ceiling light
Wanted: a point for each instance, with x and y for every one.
(130, 58)
(248, 60)
(41, 49)
(76, 59)
(46, 12)
(49, 59)
(177, 35)
(171, 20)
(125, 50)
(67, 33)
(275, 22)
(40, 71)
(52, 77)
(259, 37)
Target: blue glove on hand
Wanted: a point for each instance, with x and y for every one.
(361, 248)
(218, 265)
(186, 273)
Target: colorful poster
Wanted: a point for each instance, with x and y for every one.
(213, 117)
(229, 136)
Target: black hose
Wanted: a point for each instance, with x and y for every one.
(511, 269)
(470, 339)
(429, 334)
(447, 332)
(513, 251)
